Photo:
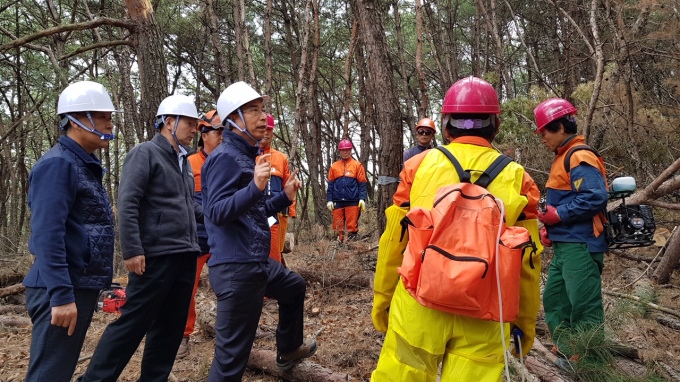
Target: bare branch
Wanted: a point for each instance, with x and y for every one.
(98, 45)
(68, 28)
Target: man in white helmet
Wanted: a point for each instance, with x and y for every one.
(157, 220)
(241, 271)
(72, 233)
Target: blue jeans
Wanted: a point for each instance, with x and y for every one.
(54, 354)
(240, 289)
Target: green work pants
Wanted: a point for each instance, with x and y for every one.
(572, 299)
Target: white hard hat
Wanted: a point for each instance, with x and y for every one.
(177, 105)
(84, 96)
(235, 96)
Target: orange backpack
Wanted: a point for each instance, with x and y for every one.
(461, 257)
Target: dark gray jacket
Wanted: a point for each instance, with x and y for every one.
(156, 209)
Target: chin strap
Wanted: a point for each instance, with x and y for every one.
(244, 131)
(103, 137)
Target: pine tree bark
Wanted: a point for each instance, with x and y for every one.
(381, 85)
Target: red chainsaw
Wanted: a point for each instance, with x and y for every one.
(111, 299)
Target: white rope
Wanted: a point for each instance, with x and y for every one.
(498, 284)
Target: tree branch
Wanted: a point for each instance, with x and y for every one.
(68, 28)
(98, 45)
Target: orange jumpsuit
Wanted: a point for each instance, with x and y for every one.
(196, 160)
(279, 176)
(346, 186)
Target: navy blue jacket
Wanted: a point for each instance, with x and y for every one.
(72, 235)
(235, 209)
(413, 151)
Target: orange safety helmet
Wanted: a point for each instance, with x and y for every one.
(270, 122)
(345, 144)
(426, 122)
(471, 95)
(551, 110)
(209, 121)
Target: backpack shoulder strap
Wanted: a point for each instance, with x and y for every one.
(494, 169)
(463, 175)
(567, 158)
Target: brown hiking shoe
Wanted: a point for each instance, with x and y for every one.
(183, 349)
(287, 360)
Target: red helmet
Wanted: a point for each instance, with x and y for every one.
(471, 95)
(426, 122)
(345, 144)
(551, 110)
(270, 122)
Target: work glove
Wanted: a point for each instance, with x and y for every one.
(330, 206)
(380, 315)
(550, 217)
(362, 205)
(543, 233)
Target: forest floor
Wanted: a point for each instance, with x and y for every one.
(338, 315)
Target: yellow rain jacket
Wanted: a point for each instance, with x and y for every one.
(419, 337)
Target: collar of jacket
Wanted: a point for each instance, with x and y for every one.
(77, 149)
(574, 140)
(163, 143)
(241, 144)
(472, 140)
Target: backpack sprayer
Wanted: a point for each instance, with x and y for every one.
(111, 299)
(629, 225)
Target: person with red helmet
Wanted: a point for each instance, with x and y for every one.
(425, 130)
(211, 129)
(467, 348)
(280, 173)
(576, 196)
(346, 193)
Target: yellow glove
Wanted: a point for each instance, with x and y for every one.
(330, 206)
(362, 205)
(380, 315)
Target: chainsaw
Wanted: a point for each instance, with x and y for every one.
(111, 299)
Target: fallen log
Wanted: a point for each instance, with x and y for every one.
(544, 372)
(522, 369)
(649, 304)
(672, 373)
(14, 322)
(670, 260)
(354, 280)
(667, 321)
(306, 371)
(12, 290)
(15, 309)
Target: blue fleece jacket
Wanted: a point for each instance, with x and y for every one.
(235, 209)
(72, 235)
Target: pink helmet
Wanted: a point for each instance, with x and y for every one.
(345, 144)
(270, 122)
(551, 110)
(471, 95)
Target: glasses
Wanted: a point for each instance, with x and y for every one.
(425, 132)
(253, 111)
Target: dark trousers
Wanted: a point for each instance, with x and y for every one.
(157, 306)
(54, 354)
(240, 289)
